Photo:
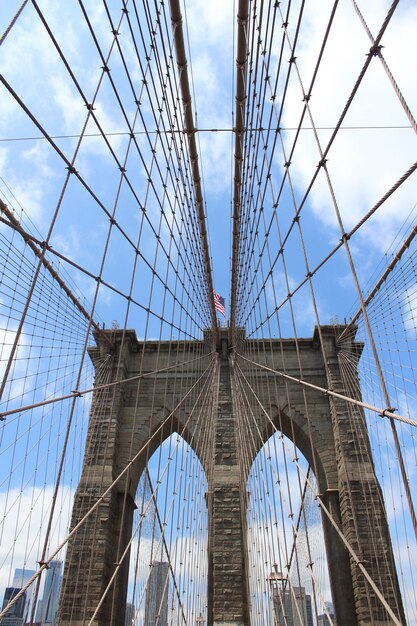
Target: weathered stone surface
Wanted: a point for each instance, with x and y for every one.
(131, 420)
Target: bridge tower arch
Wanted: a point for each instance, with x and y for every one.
(128, 421)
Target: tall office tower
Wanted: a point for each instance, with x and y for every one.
(324, 619)
(283, 608)
(156, 604)
(21, 577)
(14, 617)
(38, 614)
(130, 614)
(291, 605)
(309, 610)
(298, 607)
(51, 592)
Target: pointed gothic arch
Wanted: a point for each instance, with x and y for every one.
(136, 416)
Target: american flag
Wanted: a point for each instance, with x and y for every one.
(219, 304)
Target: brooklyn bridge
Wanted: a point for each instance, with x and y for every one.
(208, 311)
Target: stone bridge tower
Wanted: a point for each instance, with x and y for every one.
(335, 444)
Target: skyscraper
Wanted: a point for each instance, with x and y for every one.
(51, 592)
(324, 619)
(21, 577)
(156, 607)
(291, 605)
(14, 617)
(130, 614)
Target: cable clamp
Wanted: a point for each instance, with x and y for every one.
(322, 162)
(387, 410)
(375, 50)
(345, 237)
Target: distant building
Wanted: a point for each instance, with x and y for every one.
(156, 604)
(130, 614)
(38, 614)
(323, 619)
(291, 605)
(301, 607)
(329, 607)
(283, 608)
(49, 603)
(11, 620)
(14, 617)
(309, 610)
(20, 579)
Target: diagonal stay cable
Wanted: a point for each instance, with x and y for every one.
(148, 476)
(79, 393)
(44, 565)
(328, 514)
(337, 247)
(16, 225)
(328, 392)
(28, 237)
(13, 21)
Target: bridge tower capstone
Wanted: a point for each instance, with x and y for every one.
(127, 422)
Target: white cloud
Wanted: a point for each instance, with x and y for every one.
(363, 164)
(29, 182)
(3, 158)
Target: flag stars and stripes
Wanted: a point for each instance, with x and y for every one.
(219, 304)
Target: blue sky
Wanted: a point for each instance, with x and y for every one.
(372, 151)
(362, 163)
